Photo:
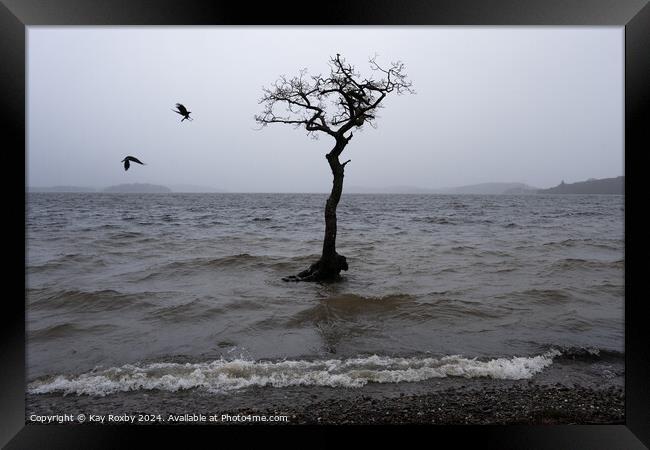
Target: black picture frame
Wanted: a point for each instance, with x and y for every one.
(16, 15)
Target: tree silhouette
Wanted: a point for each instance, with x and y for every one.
(333, 105)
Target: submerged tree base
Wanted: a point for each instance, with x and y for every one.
(322, 272)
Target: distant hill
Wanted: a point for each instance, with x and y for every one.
(388, 190)
(138, 188)
(473, 189)
(492, 189)
(61, 189)
(520, 190)
(592, 186)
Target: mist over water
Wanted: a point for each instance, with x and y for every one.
(190, 284)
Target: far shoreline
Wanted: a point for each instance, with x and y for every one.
(326, 193)
(592, 186)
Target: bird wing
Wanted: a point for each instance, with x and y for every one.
(181, 108)
(135, 160)
(178, 112)
(126, 164)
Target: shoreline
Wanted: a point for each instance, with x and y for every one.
(526, 405)
(517, 403)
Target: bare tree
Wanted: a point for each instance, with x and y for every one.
(333, 105)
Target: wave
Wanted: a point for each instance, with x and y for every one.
(238, 261)
(194, 311)
(454, 221)
(587, 213)
(188, 266)
(66, 330)
(459, 248)
(614, 244)
(92, 301)
(579, 263)
(352, 309)
(70, 259)
(582, 353)
(542, 296)
(231, 375)
(350, 306)
(434, 220)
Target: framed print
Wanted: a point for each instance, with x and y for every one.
(288, 219)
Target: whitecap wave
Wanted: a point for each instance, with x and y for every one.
(223, 375)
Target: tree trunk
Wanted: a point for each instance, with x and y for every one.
(330, 264)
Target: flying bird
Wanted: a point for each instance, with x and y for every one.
(182, 110)
(130, 158)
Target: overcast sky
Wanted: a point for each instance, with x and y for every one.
(510, 104)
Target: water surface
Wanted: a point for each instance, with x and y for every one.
(184, 291)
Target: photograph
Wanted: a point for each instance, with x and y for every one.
(325, 225)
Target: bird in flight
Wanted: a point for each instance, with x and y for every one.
(130, 158)
(182, 110)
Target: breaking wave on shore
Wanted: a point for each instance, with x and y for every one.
(230, 375)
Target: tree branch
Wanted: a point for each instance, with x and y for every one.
(332, 105)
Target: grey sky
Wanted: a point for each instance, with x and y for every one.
(515, 104)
